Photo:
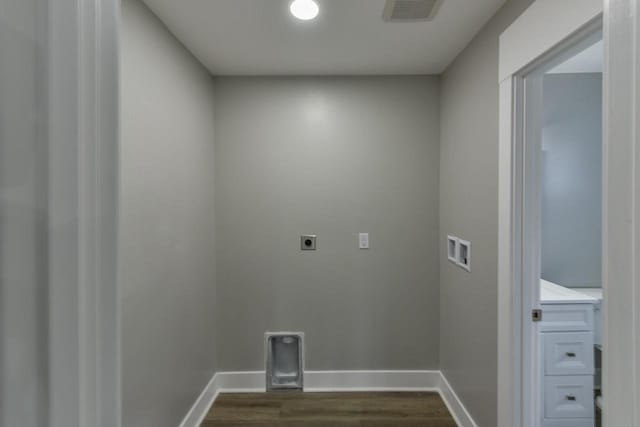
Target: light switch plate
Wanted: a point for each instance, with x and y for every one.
(363, 240)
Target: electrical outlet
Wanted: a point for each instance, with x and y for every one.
(308, 242)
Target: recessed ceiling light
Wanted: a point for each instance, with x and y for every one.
(304, 10)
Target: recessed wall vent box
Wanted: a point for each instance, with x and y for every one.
(464, 254)
(452, 249)
(410, 10)
(285, 360)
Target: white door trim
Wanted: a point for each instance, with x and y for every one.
(545, 25)
(621, 269)
(83, 131)
(540, 28)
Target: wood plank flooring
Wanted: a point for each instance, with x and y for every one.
(289, 409)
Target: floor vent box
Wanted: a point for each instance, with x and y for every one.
(284, 360)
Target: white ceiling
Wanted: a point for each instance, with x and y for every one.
(590, 60)
(259, 37)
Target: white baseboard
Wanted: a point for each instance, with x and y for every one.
(328, 381)
(325, 381)
(199, 410)
(322, 381)
(454, 404)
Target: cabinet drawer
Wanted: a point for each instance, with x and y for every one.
(576, 422)
(568, 397)
(566, 318)
(568, 353)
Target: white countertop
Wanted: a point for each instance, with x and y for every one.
(551, 293)
(592, 292)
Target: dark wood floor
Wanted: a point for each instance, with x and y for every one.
(329, 410)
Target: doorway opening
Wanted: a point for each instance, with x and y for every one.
(561, 236)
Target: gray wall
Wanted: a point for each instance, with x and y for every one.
(166, 251)
(23, 217)
(469, 209)
(572, 180)
(332, 157)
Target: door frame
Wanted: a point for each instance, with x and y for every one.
(527, 40)
(81, 82)
(621, 269)
(530, 41)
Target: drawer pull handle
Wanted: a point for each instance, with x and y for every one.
(571, 354)
(571, 398)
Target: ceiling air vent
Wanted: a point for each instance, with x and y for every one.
(411, 10)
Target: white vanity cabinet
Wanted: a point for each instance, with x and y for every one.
(567, 366)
